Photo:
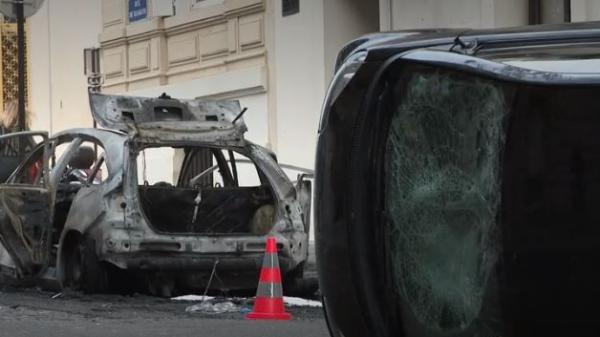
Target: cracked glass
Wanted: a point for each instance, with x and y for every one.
(442, 195)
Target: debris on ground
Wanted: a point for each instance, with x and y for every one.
(193, 298)
(214, 305)
(290, 301)
(208, 307)
(301, 302)
(26, 312)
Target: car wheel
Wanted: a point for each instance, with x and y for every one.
(294, 275)
(327, 320)
(295, 284)
(84, 271)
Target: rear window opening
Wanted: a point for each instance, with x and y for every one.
(204, 190)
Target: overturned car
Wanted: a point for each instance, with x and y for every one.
(81, 209)
(479, 216)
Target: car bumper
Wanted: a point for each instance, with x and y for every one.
(162, 252)
(198, 262)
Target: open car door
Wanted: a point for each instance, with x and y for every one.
(25, 212)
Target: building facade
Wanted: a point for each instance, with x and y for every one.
(275, 56)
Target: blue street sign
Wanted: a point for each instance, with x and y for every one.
(138, 10)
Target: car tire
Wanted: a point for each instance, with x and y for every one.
(83, 269)
(95, 278)
(295, 284)
(294, 275)
(327, 320)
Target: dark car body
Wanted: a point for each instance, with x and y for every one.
(456, 184)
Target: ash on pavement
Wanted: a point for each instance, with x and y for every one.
(30, 312)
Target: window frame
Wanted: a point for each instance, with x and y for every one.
(51, 162)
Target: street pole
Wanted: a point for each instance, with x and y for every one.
(21, 69)
(91, 68)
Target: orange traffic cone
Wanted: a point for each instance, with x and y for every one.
(269, 295)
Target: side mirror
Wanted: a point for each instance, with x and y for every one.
(83, 159)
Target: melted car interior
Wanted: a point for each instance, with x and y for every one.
(217, 192)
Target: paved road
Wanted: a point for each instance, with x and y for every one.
(33, 313)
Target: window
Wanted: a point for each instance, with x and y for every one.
(208, 167)
(9, 153)
(31, 173)
(290, 7)
(86, 164)
(242, 169)
(216, 191)
(205, 166)
(443, 195)
(155, 166)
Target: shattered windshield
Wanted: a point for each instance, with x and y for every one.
(443, 193)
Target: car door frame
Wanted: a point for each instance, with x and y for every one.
(26, 263)
(304, 194)
(11, 229)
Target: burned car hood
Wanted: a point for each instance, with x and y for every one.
(165, 120)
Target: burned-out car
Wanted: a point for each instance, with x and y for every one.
(82, 206)
(479, 214)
